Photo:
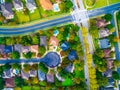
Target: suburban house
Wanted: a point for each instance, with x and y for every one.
(43, 41)
(104, 43)
(50, 77)
(41, 75)
(101, 23)
(103, 33)
(109, 64)
(33, 73)
(70, 68)
(34, 49)
(2, 49)
(8, 49)
(25, 75)
(53, 42)
(64, 46)
(9, 82)
(108, 73)
(106, 53)
(6, 9)
(8, 89)
(46, 4)
(72, 55)
(25, 49)
(18, 48)
(31, 6)
(18, 5)
(8, 73)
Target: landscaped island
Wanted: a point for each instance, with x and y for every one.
(60, 55)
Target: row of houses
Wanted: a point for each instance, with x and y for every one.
(106, 47)
(6, 50)
(7, 8)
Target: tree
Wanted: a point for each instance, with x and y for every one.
(94, 31)
(6, 66)
(15, 55)
(17, 88)
(16, 66)
(35, 39)
(43, 68)
(1, 83)
(26, 68)
(26, 40)
(28, 55)
(68, 5)
(2, 40)
(109, 26)
(99, 53)
(116, 63)
(107, 17)
(112, 53)
(18, 81)
(34, 80)
(115, 75)
(118, 15)
(34, 67)
(42, 50)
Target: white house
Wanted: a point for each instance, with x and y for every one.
(18, 5)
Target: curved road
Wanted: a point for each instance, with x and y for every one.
(21, 30)
(35, 27)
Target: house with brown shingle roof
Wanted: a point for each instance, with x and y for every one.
(9, 82)
(34, 48)
(46, 4)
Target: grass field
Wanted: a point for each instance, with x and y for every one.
(35, 15)
(102, 3)
(22, 18)
(26, 88)
(113, 1)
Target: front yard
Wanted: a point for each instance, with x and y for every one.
(35, 15)
(22, 17)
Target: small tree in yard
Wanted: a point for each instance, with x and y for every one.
(109, 26)
(43, 68)
(42, 50)
(28, 55)
(115, 75)
(15, 55)
(107, 17)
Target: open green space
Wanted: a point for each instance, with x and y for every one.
(98, 3)
(35, 15)
(113, 1)
(22, 17)
(26, 88)
(67, 82)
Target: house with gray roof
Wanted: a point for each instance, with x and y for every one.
(6, 9)
(2, 49)
(25, 75)
(31, 6)
(33, 73)
(18, 48)
(18, 5)
(8, 73)
(43, 41)
(41, 75)
(50, 77)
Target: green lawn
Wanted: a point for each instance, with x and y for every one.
(26, 88)
(22, 18)
(113, 1)
(35, 15)
(100, 3)
(96, 44)
(67, 82)
(35, 88)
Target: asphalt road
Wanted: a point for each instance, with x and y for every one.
(51, 23)
(32, 28)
